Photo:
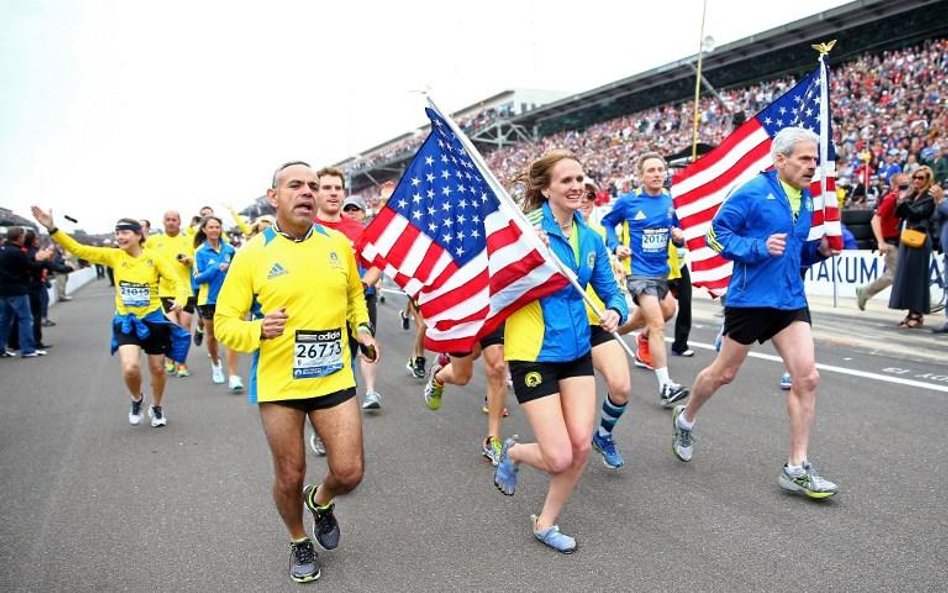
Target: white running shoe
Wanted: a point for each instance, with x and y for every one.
(217, 373)
(157, 416)
(316, 444)
(135, 411)
(235, 384)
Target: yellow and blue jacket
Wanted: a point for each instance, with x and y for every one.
(555, 328)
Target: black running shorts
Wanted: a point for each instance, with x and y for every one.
(157, 342)
(533, 380)
(188, 306)
(746, 324)
(321, 402)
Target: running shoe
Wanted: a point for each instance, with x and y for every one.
(157, 416)
(433, 389)
(416, 367)
(373, 400)
(486, 410)
(33, 354)
(671, 393)
(643, 356)
(198, 335)
(505, 474)
(490, 449)
(217, 373)
(169, 367)
(135, 411)
(606, 447)
(235, 384)
(183, 371)
(316, 444)
(325, 526)
(683, 443)
(405, 319)
(809, 482)
(686, 353)
(304, 568)
(786, 382)
(7, 353)
(554, 538)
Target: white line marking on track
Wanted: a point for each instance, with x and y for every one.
(841, 370)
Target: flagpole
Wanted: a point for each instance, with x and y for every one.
(694, 138)
(517, 215)
(824, 49)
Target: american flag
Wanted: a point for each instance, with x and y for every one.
(699, 189)
(452, 245)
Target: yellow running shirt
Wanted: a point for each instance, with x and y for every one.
(136, 278)
(316, 282)
(170, 248)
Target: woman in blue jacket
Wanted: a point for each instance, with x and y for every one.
(212, 258)
(547, 345)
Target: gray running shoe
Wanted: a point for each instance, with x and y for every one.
(325, 527)
(373, 401)
(810, 483)
(135, 411)
(671, 393)
(683, 443)
(304, 568)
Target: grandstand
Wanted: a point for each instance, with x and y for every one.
(862, 27)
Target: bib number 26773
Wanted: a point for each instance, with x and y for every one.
(317, 353)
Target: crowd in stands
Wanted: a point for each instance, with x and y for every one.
(890, 112)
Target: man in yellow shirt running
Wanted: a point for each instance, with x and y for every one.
(302, 283)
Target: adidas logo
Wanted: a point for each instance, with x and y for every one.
(639, 216)
(276, 270)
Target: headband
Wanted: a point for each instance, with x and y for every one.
(127, 226)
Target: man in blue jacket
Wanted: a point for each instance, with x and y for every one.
(764, 227)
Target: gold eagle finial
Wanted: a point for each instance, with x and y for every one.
(824, 48)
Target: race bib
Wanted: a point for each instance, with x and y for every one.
(654, 239)
(317, 353)
(134, 294)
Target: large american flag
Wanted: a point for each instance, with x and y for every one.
(452, 245)
(699, 189)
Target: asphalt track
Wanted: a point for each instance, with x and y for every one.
(91, 504)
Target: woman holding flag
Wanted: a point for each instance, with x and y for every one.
(547, 345)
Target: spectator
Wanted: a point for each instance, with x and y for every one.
(15, 270)
(885, 227)
(910, 286)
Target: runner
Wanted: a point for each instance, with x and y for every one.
(651, 217)
(138, 323)
(763, 226)
(301, 357)
(329, 203)
(608, 358)
(416, 363)
(178, 249)
(212, 258)
(552, 376)
(457, 368)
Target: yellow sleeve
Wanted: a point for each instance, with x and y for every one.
(96, 255)
(166, 270)
(233, 304)
(244, 228)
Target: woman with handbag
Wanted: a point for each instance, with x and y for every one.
(910, 286)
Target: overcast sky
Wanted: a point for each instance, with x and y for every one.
(129, 108)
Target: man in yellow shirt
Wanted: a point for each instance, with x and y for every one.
(302, 283)
(178, 250)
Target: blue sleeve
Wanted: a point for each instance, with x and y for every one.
(615, 217)
(205, 273)
(810, 254)
(604, 283)
(723, 235)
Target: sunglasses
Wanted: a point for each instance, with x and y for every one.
(351, 209)
(922, 177)
(590, 196)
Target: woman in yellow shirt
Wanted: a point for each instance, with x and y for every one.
(139, 323)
